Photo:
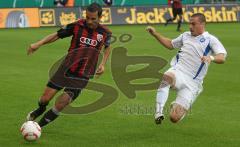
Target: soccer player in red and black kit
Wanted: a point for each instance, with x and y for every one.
(79, 65)
(176, 10)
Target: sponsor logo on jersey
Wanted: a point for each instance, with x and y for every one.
(202, 40)
(88, 41)
(99, 37)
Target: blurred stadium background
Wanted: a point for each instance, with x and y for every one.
(214, 118)
(40, 13)
(77, 3)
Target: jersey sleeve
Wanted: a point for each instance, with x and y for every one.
(177, 42)
(66, 31)
(108, 40)
(217, 46)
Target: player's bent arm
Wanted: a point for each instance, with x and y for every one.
(166, 42)
(101, 67)
(219, 58)
(48, 39)
(106, 55)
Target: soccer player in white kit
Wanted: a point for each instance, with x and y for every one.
(198, 49)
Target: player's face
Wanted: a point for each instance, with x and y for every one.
(92, 19)
(195, 26)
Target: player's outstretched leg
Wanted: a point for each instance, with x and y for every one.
(179, 25)
(177, 113)
(62, 101)
(48, 94)
(37, 112)
(169, 20)
(162, 96)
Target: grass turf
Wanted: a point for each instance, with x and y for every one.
(213, 121)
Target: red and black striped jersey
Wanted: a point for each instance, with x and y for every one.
(176, 4)
(85, 47)
(82, 36)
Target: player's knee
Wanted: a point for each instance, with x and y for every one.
(167, 79)
(174, 118)
(177, 113)
(73, 93)
(66, 98)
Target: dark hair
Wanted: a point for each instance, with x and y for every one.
(95, 7)
(200, 16)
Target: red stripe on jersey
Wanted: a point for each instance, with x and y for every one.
(88, 53)
(93, 54)
(74, 39)
(78, 52)
(83, 53)
(177, 4)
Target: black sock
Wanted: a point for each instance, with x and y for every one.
(179, 24)
(40, 110)
(48, 117)
(168, 21)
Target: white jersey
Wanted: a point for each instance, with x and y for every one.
(192, 49)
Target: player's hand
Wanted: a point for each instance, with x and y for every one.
(32, 48)
(206, 59)
(151, 30)
(100, 70)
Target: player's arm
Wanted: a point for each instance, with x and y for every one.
(219, 52)
(219, 58)
(62, 33)
(101, 67)
(106, 54)
(48, 39)
(166, 42)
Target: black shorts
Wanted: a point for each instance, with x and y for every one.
(71, 84)
(177, 11)
(62, 78)
(73, 93)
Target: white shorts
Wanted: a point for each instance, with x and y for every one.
(187, 88)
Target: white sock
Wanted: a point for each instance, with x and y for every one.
(54, 110)
(161, 99)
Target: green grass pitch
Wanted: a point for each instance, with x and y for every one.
(213, 121)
